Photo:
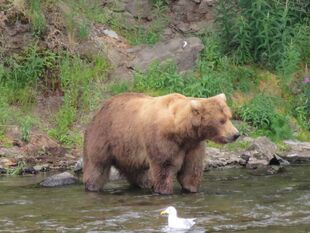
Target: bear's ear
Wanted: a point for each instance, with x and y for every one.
(196, 106)
(222, 96)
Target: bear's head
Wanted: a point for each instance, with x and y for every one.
(211, 119)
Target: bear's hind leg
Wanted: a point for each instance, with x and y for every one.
(191, 172)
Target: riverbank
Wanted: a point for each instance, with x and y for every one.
(42, 154)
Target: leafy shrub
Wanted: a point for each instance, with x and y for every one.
(260, 30)
(22, 73)
(221, 78)
(163, 77)
(25, 126)
(300, 108)
(261, 113)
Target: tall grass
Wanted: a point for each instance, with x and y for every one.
(20, 74)
(262, 31)
(37, 17)
(78, 81)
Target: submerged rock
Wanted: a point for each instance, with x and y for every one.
(61, 179)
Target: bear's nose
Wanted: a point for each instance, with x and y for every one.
(236, 135)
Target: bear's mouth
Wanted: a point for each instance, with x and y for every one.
(223, 140)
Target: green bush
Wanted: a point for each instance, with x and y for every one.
(160, 77)
(261, 113)
(25, 127)
(22, 73)
(261, 30)
(219, 77)
(300, 106)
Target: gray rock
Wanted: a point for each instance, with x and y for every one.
(262, 148)
(254, 163)
(61, 179)
(111, 33)
(138, 8)
(41, 167)
(78, 167)
(299, 151)
(183, 51)
(259, 153)
(298, 146)
(216, 158)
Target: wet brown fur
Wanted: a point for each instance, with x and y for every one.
(150, 139)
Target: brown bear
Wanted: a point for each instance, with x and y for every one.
(150, 139)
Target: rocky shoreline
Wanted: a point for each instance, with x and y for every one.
(42, 154)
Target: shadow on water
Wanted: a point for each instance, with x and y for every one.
(232, 200)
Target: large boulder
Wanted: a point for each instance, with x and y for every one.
(183, 51)
(259, 153)
(191, 16)
(61, 179)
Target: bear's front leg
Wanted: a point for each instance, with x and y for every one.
(191, 172)
(162, 179)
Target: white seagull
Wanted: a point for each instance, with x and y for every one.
(175, 222)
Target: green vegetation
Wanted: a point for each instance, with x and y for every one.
(22, 77)
(263, 31)
(257, 54)
(18, 170)
(37, 17)
(273, 34)
(21, 73)
(78, 79)
(132, 29)
(150, 34)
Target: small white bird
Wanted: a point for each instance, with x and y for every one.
(175, 222)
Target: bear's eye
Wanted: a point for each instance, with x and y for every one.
(223, 121)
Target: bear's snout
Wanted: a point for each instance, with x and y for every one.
(234, 137)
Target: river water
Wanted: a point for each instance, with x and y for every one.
(231, 200)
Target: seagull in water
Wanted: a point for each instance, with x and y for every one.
(175, 222)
